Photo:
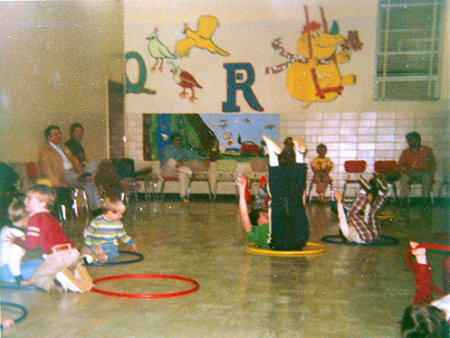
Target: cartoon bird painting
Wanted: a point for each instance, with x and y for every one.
(201, 38)
(184, 80)
(158, 50)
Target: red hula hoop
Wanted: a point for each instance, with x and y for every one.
(427, 246)
(146, 295)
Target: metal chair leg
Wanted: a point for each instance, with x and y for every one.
(161, 194)
(309, 192)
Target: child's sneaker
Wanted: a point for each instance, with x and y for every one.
(69, 282)
(364, 184)
(82, 274)
(382, 184)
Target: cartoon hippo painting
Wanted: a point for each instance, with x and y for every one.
(313, 73)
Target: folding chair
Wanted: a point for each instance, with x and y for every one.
(259, 169)
(226, 173)
(200, 173)
(353, 167)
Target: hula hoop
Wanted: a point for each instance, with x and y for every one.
(427, 246)
(146, 295)
(338, 239)
(386, 215)
(139, 257)
(251, 247)
(18, 306)
(12, 286)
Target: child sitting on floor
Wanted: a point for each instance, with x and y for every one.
(371, 199)
(102, 235)
(12, 270)
(321, 166)
(60, 254)
(422, 319)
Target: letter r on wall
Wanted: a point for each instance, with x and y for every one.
(235, 82)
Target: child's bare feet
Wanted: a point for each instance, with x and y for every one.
(25, 282)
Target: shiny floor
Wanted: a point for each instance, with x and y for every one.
(349, 291)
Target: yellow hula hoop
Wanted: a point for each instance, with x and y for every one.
(310, 249)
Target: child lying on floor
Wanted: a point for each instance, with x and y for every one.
(285, 226)
(371, 199)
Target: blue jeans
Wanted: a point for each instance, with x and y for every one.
(27, 268)
(111, 250)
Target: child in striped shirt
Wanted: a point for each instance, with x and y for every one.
(102, 236)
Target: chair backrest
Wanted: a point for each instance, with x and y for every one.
(32, 170)
(125, 167)
(381, 165)
(226, 165)
(198, 165)
(20, 169)
(259, 165)
(355, 166)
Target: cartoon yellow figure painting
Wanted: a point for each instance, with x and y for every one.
(201, 38)
(313, 73)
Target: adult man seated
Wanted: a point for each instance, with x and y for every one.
(77, 150)
(174, 163)
(285, 226)
(63, 169)
(416, 162)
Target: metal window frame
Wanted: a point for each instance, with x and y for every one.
(433, 80)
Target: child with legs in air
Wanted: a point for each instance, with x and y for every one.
(285, 225)
(370, 199)
(103, 234)
(61, 258)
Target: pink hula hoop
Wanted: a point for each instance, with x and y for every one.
(427, 246)
(146, 295)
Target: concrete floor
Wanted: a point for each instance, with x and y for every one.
(347, 292)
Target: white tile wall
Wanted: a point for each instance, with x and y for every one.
(369, 136)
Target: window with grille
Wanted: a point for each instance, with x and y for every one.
(409, 49)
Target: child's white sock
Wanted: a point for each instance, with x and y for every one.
(273, 150)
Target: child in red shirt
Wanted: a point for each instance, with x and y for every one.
(60, 253)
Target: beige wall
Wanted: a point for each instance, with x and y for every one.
(57, 55)
(354, 126)
(55, 58)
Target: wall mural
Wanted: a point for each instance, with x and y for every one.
(139, 86)
(211, 135)
(158, 50)
(201, 38)
(240, 76)
(313, 73)
(184, 80)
